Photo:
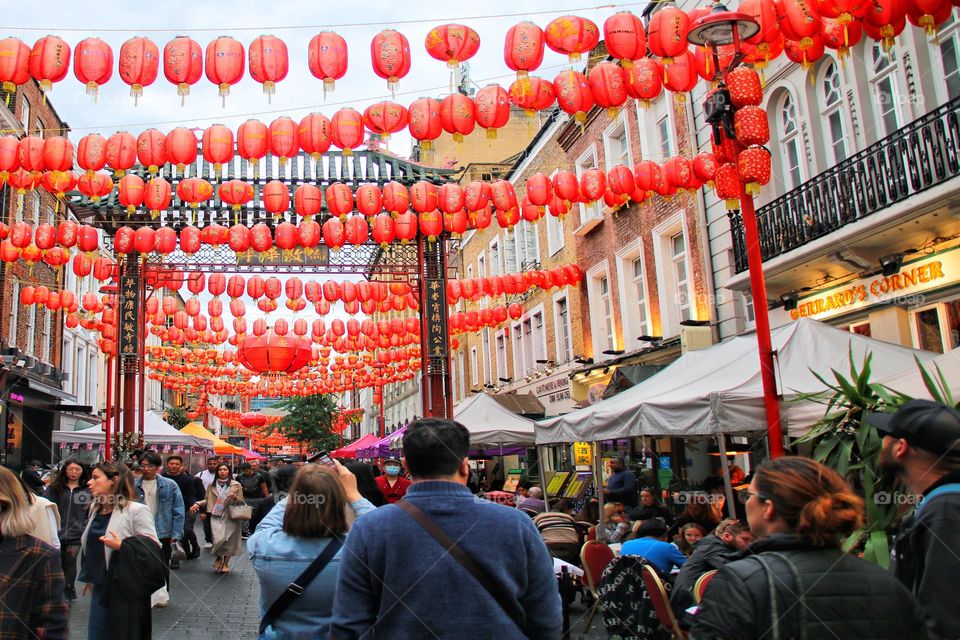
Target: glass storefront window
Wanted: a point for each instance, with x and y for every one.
(928, 330)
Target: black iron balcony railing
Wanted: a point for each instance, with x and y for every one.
(919, 156)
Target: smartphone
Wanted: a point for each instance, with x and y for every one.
(322, 458)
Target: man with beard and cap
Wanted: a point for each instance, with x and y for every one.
(921, 449)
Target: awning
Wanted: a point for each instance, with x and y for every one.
(524, 404)
(350, 451)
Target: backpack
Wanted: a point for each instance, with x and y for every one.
(625, 604)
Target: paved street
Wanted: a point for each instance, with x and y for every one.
(205, 605)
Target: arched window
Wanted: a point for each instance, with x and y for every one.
(886, 92)
(789, 140)
(831, 98)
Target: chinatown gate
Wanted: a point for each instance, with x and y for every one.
(420, 263)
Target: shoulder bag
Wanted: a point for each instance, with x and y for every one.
(240, 511)
(298, 586)
(465, 560)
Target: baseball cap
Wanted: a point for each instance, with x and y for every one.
(924, 424)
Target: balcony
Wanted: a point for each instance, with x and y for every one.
(922, 155)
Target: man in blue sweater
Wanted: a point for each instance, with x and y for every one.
(397, 581)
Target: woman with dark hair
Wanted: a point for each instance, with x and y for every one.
(227, 532)
(68, 490)
(702, 508)
(690, 534)
(366, 483)
(797, 582)
(651, 507)
(316, 513)
(116, 515)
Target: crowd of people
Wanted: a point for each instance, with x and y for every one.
(347, 550)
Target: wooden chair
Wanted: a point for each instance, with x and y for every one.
(594, 558)
(700, 586)
(661, 603)
(591, 534)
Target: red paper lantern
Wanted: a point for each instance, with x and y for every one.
(573, 94)
(8, 252)
(181, 147)
(346, 130)
(458, 115)
(123, 241)
(45, 236)
(88, 239)
(156, 196)
(238, 238)
(667, 34)
(390, 54)
(307, 200)
(269, 62)
(681, 75)
(456, 223)
(130, 192)
(276, 197)
(144, 240)
(764, 13)
(49, 61)
(799, 21)
(57, 153)
(224, 64)
(369, 200)
(260, 240)
(385, 117)
(271, 353)
(647, 175)
(22, 181)
(452, 43)
(423, 196)
(194, 191)
(753, 168)
(624, 37)
(217, 146)
(182, 64)
(95, 186)
(396, 198)
(523, 48)
(313, 134)
(491, 109)
(152, 149)
(236, 193)
(608, 85)
(309, 233)
(593, 182)
(120, 152)
(405, 226)
(884, 20)
(327, 58)
(751, 126)
(677, 172)
(425, 125)
(620, 180)
(14, 63)
(503, 195)
(805, 52)
(59, 182)
(166, 241)
(431, 224)
(139, 64)
(382, 229)
(531, 94)
(253, 143)
(334, 235)
(190, 240)
(539, 189)
(745, 87)
(572, 35)
(645, 82)
(339, 199)
(286, 236)
(705, 166)
(30, 153)
(450, 197)
(91, 153)
(566, 186)
(93, 64)
(841, 36)
(8, 156)
(356, 230)
(283, 140)
(727, 182)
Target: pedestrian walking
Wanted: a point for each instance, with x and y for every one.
(796, 581)
(68, 491)
(30, 574)
(189, 485)
(116, 517)
(255, 489)
(921, 447)
(206, 477)
(300, 540)
(440, 563)
(162, 496)
(221, 494)
(392, 485)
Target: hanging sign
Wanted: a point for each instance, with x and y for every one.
(582, 455)
(129, 317)
(437, 339)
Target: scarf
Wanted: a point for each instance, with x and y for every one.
(222, 490)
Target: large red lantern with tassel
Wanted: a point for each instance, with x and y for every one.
(313, 134)
(49, 61)
(593, 182)
(93, 63)
(121, 152)
(260, 240)
(139, 63)
(285, 237)
(423, 196)
(753, 169)
(369, 200)
(727, 182)
(30, 153)
(539, 189)
(272, 353)
(566, 186)
(573, 94)
(531, 94)
(14, 63)
(157, 196)
(182, 64)
(217, 146)
(458, 115)
(356, 230)
(238, 238)
(152, 149)
(92, 152)
(667, 34)
(523, 48)
(339, 199)
(681, 74)
(269, 62)
(452, 43)
(396, 198)
(346, 130)
(385, 117)
(253, 142)
(327, 58)
(405, 226)
(181, 147)
(59, 183)
(608, 85)
(382, 229)
(572, 36)
(645, 80)
(744, 86)
(130, 192)
(751, 126)
(806, 51)
(276, 197)
(283, 140)
(9, 147)
(307, 200)
(705, 166)
(424, 121)
(620, 180)
(224, 64)
(95, 186)
(677, 172)
(235, 193)
(194, 191)
(190, 243)
(334, 235)
(884, 20)
(799, 21)
(492, 109)
(431, 224)
(390, 54)
(625, 38)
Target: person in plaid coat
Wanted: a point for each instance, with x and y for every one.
(31, 579)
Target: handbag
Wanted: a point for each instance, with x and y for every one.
(296, 588)
(466, 561)
(240, 511)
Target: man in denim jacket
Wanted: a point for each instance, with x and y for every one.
(163, 497)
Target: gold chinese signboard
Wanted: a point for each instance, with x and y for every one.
(129, 317)
(436, 318)
(319, 255)
(582, 454)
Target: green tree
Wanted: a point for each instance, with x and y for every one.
(309, 421)
(176, 417)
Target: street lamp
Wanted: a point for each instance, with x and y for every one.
(722, 27)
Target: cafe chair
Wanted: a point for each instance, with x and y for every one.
(700, 586)
(594, 558)
(591, 534)
(661, 603)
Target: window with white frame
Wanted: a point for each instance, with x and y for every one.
(616, 143)
(481, 265)
(81, 375)
(555, 239)
(25, 114)
(949, 37)
(41, 130)
(67, 364)
(495, 268)
(589, 161)
(46, 341)
(657, 129)
(789, 134)
(469, 270)
(672, 273)
(510, 252)
(832, 102)
(886, 92)
(601, 311)
(518, 369)
(633, 299)
(485, 350)
(527, 245)
(502, 355)
(678, 246)
(30, 343)
(561, 322)
(749, 316)
(92, 378)
(474, 367)
(14, 314)
(538, 348)
(664, 137)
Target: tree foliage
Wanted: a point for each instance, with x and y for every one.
(843, 441)
(176, 417)
(309, 421)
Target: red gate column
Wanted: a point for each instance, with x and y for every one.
(128, 330)
(434, 335)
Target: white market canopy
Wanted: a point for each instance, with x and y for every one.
(491, 424)
(718, 389)
(155, 432)
(910, 381)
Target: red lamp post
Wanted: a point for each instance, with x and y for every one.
(720, 28)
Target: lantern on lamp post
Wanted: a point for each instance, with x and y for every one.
(724, 28)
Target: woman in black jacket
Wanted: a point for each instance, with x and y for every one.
(795, 581)
(69, 492)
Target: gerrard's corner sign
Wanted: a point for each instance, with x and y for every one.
(914, 278)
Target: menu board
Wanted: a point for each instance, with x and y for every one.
(555, 484)
(577, 486)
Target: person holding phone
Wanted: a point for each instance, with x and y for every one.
(392, 485)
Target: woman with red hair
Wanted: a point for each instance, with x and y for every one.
(796, 581)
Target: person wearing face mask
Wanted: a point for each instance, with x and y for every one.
(391, 484)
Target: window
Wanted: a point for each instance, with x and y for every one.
(30, 343)
(555, 239)
(593, 210)
(474, 367)
(469, 270)
(518, 368)
(860, 328)
(461, 376)
(68, 364)
(527, 245)
(679, 258)
(14, 314)
(495, 268)
(40, 128)
(510, 254)
(538, 346)
(831, 95)
(633, 297)
(886, 94)
(657, 129)
(672, 273)
(81, 376)
(25, 114)
(502, 355)
(664, 138)
(481, 266)
(487, 362)
(92, 379)
(45, 355)
(749, 314)
(563, 331)
(950, 59)
(601, 310)
(606, 308)
(937, 327)
(616, 143)
(789, 142)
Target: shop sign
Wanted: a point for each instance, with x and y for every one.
(581, 454)
(129, 316)
(436, 318)
(913, 278)
(554, 394)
